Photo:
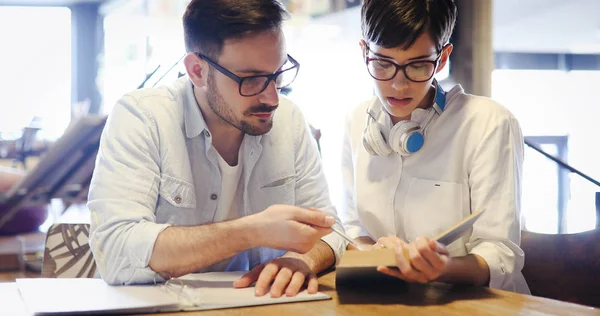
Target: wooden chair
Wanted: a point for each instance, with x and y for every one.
(565, 267)
(67, 253)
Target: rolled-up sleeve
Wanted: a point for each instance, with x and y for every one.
(311, 185)
(495, 179)
(123, 195)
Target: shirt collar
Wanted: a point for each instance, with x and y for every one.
(419, 115)
(193, 119)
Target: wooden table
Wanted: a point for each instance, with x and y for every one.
(11, 276)
(415, 299)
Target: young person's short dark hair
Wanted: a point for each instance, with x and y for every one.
(398, 23)
(208, 23)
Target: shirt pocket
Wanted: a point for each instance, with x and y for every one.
(279, 191)
(175, 195)
(431, 207)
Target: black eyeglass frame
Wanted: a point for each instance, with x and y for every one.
(403, 67)
(240, 80)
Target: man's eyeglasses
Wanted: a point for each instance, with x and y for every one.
(254, 85)
(385, 70)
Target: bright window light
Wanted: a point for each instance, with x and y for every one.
(35, 63)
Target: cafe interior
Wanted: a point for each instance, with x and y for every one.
(65, 63)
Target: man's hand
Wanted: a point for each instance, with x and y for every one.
(421, 261)
(290, 228)
(288, 275)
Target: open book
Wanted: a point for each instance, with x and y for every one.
(358, 267)
(198, 291)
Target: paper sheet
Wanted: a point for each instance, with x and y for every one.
(12, 304)
(191, 292)
(64, 296)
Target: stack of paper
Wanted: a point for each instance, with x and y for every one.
(192, 292)
(63, 296)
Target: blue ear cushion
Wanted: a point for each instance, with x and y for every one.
(415, 142)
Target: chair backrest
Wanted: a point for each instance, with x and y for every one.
(565, 267)
(27, 140)
(67, 253)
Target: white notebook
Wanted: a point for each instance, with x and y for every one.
(11, 303)
(199, 291)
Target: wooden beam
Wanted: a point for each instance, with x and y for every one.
(472, 61)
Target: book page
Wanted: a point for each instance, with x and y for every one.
(358, 268)
(215, 290)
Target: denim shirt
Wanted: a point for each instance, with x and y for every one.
(157, 167)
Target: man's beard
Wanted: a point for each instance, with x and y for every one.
(223, 111)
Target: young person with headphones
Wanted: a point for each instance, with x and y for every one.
(418, 159)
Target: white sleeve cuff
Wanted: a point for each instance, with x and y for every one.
(355, 231)
(337, 244)
(130, 264)
(141, 242)
(489, 253)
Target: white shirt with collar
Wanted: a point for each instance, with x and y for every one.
(472, 160)
(157, 167)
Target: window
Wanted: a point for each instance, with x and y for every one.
(544, 206)
(558, 103)
(35, 60)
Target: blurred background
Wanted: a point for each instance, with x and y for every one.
(63, 59)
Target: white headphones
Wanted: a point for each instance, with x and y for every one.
(406, 137)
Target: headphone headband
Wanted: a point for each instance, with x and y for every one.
(439, 100)
(405, 137)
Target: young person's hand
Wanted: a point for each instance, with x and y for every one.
(290, 228)
(288, 276)
(364, 242)
(420, 261)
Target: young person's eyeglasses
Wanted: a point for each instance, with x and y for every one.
(385, 70)
(254, 85)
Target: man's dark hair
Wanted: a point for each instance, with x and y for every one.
(208, 23)
(398, 23)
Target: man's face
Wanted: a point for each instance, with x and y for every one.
(257, 54)
(400, 96)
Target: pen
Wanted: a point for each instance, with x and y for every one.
(350, 240)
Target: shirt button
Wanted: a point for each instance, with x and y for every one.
(213, 196)
(207, 133)
(178, 199)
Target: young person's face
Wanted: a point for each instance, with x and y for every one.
(256, 54)
(400, 96)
